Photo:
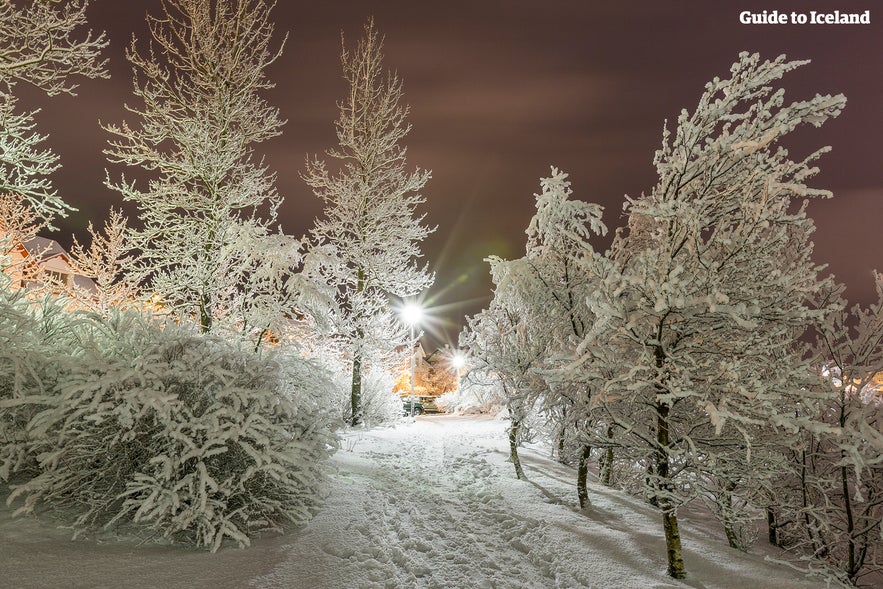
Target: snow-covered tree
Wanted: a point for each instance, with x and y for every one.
(208, 206)
(565, 270)
(107, 262)
(41, 44)
(539, 314)
(838, 495)
(380, 403)
(368, 239)
(506, 352)
(701, 296)
(438, 373)
(18, 224)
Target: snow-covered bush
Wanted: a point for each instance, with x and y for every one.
(379, 404)
(33, 336)
(184, 434)
(473, 398)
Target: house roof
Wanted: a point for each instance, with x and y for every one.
(419, 351)
(43, 248)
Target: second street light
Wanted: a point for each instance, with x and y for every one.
(412, 314)
(458, 362)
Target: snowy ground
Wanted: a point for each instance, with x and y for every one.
(428, 504)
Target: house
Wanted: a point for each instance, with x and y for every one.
(39, 262)
(869, 387)
(434, 374)
(403, 381)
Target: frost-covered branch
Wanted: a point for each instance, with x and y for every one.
(208, 205)
(367, 242)
(107, 262)
(710, 280)
(41, 44)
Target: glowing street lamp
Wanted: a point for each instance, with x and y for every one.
(458, 362)
(412, 314)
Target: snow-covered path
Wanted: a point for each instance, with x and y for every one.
(429, 504)
(440, 517)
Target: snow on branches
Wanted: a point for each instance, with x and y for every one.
(539, 311)
(107, 262)
(123, 420)
(41, 44)
(366, 243)
(677, 352)
(201, 114)
(714, 280)
(837, 485)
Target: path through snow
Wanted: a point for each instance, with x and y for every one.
(435, 504)
(429, 504)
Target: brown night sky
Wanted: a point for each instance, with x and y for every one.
(499, 91)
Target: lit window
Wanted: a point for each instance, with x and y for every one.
(56, 277)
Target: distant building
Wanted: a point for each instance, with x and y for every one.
(868, 387)
(403, 381)
(433, 374)
(40, 263)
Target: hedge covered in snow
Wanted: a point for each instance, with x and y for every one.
(130, 421)
(34, 337)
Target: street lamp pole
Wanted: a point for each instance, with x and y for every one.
(412, 313)
(458, 361)
(413, 353)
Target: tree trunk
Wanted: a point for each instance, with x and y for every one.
(673, 544)
(727, 515)
(356, 391)
(649, 481)
(561, 446)
(607, 461)
(356, 387)
(513, 448)
(669, 515)
(607, 467)
(257, 344)
(561, 436)
(772, 528)
(205, 316)
(582, 474)
(805, 498)
(851, 569)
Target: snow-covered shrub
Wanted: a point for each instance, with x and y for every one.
(379, 404)
(33, 336)
(184, 434)
(473, 398)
